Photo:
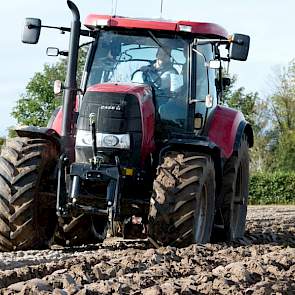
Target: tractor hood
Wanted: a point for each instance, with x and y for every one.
(123, 112)
(141, 91)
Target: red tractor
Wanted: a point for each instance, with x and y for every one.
(141, 149)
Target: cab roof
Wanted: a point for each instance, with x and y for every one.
(95, 21)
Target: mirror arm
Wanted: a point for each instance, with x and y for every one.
(63, 53)
(63, 29)
(225, 59)
(85, 33)
(208, 41)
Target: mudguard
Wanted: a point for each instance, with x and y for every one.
(55, 121)
(225, 127)
(39, 132)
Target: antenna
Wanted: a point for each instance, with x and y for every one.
(116, 5)
(161, 8)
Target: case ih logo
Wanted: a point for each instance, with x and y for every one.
(111, 107)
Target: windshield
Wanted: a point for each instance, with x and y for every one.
(158, 61)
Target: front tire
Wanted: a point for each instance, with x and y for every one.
(27, 203)
(182, 204)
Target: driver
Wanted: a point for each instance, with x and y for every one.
(161, 73)
(164, 69)
(167, 83)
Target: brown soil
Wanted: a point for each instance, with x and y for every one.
(261, 263)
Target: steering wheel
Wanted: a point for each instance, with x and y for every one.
(150, 76)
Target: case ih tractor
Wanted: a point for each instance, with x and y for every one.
(142, 148)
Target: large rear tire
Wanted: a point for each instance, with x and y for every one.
(182, 204)
(235, 192)
(27, 204)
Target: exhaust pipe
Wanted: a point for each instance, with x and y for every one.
(70, 92)
(71, 84)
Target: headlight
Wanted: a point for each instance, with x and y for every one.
(110, 140)
(120, 141)
(125, 141)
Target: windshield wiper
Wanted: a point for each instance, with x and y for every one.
(157, 41)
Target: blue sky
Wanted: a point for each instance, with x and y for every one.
(270, 23)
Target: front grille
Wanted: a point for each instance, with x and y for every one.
(116, 113)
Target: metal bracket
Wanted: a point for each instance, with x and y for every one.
(61, 186)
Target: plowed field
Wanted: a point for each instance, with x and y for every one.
(261, 263)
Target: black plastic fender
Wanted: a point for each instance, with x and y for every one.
(39, 132)
(244, 128)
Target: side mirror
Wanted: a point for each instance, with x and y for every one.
(53, 51)
(239, 47)
(31, 31)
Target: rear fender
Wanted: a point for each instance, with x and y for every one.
(244, 128)
(225, 127)
(55, 121)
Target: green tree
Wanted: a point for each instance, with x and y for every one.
(37, 104)
(282, 101)
(255, 111)
(247, 103)
(284, 153)
(281, 110)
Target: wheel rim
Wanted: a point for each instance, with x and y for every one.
(201, 215)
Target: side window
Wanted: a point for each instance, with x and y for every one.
(207, 51)
(205, 77)
(202, 78)
(211, 75)
(202, 87)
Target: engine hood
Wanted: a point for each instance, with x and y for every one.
(141, 91)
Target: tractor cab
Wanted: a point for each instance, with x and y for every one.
(157, 61)
(173, 58)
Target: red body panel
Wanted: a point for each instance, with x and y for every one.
(57, 122)
(147, 109)
(93, 20)
(223, 129)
